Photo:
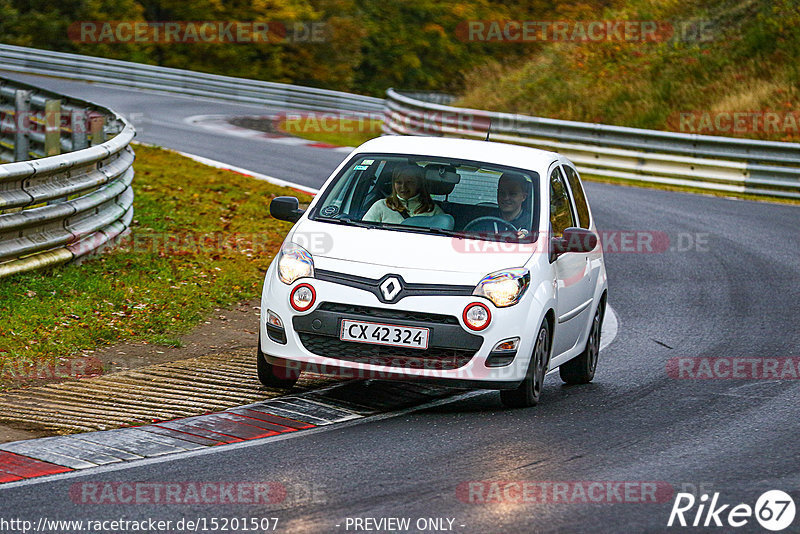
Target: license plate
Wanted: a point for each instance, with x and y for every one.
(384, 334)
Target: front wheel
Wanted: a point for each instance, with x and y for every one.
(580, 370)
(529, 391)
(274, 376)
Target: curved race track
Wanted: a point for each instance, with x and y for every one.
(734, 293)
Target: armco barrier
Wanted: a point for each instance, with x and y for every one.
(701, 161)
(61, 206)
(185, 82)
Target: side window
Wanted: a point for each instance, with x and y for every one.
(560, 211)
(578, 195)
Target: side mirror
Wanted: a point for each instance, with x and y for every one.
(573, 240)
(286, 209)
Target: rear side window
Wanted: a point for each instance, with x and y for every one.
(578, 196)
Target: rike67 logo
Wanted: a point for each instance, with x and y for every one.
(774, 510)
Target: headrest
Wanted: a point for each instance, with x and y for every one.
(515, 177)
(384, 180)
(443, 221)
(440, 179)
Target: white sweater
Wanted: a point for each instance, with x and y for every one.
(380, 212)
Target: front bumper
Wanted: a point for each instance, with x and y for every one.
(449, 347)
(456, 355)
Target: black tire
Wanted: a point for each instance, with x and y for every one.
(581, 369)
(273, 375)
(529, 391)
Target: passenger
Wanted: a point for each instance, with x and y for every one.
(512, 191)
(407, 199)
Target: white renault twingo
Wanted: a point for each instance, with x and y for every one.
(471, 263)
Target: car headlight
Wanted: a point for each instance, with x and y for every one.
(294, 262)
(504, 288)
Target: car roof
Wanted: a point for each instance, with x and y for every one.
(469, 149)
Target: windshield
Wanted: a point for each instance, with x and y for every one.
(431, 194)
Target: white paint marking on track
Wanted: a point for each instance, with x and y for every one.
(610, 327)
(608, 332)
(253, 174)
(220, 124)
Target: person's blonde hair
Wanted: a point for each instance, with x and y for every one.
(415, 171)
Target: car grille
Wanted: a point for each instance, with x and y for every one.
(384, 313)
(432, 358)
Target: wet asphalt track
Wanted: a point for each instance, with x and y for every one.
(737, 296)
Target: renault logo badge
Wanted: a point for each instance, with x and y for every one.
(390, 288)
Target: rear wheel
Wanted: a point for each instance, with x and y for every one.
(580, 370)
(528, 393)
(274, 375)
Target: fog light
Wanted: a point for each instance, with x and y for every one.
(273, 319)
(275, 329)
(477, 316)
(302, 297)
(507, 345)
(503, 353)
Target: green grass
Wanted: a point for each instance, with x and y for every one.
(345, 132)
(150, 288)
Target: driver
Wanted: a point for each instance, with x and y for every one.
(512, 191)
(407, 199)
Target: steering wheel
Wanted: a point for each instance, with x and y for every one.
(487, 222)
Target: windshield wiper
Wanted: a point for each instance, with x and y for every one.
(348, 222)
(439, 231)
(401, 227)
(412, 228)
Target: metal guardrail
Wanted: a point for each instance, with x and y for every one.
(185, 82)
(62, 206)
(701, 161)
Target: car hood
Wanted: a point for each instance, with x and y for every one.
(404, 250)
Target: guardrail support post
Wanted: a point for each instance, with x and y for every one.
(78, 123)
(52, 128)
(22, 117)
(97, 124)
